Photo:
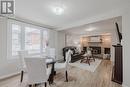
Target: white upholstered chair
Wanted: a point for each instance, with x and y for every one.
(90, 55)
(64, 65)
(22, 55)
(37, 71)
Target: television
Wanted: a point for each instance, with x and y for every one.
(119, 33)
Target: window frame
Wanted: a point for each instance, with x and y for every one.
(22, 27)
(9, 38)
(39, 38)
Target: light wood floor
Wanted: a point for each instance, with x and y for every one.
(77, 78)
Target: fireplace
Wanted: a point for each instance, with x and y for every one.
(106, 50)
(96, 49)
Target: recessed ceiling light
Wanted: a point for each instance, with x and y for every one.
(90, 29)
(58, 10)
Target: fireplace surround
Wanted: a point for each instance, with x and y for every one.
(95, 49)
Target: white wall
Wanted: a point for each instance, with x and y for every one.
(57, 41)
(53, 40)
(126, 47)
(72, 40)
(61, 44)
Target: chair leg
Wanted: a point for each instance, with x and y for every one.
(45, 84)
(36, 85)
(30, 85)
(22, 72)
(54, 72)
(66, 74)
(81, 60)
(93, 58)
(88, 60)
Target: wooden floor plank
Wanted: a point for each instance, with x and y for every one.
(77, 78)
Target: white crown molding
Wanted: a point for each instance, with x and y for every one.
(22, 19)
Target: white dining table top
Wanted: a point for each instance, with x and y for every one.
(48, 59)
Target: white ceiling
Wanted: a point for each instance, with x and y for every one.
(75, 10)
(101, 28)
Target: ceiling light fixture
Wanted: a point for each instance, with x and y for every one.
(58, 10)
(90, 29)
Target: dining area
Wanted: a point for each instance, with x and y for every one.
(41, 69)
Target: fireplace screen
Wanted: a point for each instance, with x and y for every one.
(96, 50)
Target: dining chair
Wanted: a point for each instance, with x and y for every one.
(37, 71)
(87, 57)
(90, 55)
(22, 54)
(64, 65)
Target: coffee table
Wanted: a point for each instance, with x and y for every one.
(87, 58)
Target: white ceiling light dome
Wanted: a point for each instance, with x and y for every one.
(58, 10)
(91, 29)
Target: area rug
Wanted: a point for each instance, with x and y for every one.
(92, 67)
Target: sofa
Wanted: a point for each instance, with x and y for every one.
(75, 56)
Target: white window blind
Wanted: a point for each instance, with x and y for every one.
(16, 39)
(32, 40)
(45, 41)
(24, 36)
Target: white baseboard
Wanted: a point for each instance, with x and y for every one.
(123, 85)
(9, 75)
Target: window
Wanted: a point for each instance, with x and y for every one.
(45, 40)
(32, 40)
(28, 37)
(16, 39)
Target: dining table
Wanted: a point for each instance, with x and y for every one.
(50, 61)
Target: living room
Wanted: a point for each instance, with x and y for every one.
(99, 37)
(100, 34)
(34, 34)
